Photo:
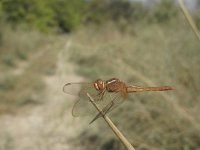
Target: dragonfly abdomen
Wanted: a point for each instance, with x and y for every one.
(140, 89)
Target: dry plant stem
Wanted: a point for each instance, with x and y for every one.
(112, 126)
(189, 18)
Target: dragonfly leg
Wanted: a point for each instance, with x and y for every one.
(101, 94)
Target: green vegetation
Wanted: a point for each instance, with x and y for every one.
(44, 15)
(66, 16)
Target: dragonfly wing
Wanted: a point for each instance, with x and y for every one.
(89, 88)
(116, 100)
(75, 88)
(81, 107)
(103, 112)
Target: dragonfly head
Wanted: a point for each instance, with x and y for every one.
(99, 85)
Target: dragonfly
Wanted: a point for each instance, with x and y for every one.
(109, 93)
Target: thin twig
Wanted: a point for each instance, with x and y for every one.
(189, 19)
(121, 137)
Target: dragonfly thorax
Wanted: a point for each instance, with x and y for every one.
(115, 85)
(99, 85)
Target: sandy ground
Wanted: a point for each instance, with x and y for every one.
(48, 126)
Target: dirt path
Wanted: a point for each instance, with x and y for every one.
(48, 126)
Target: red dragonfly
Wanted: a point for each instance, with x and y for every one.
(109, 94)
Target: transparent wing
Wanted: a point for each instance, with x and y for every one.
(82, 106)
(116, 100)
(75, 88)
(81, 89)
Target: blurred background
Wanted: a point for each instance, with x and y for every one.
(47, 43)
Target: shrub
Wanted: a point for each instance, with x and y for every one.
(43, 15)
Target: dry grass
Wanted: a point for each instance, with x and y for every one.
(146, 55)
(24, 58)
(151, 55)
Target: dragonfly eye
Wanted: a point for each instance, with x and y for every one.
(99, 85)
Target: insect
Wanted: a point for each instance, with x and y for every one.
(110, 93)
